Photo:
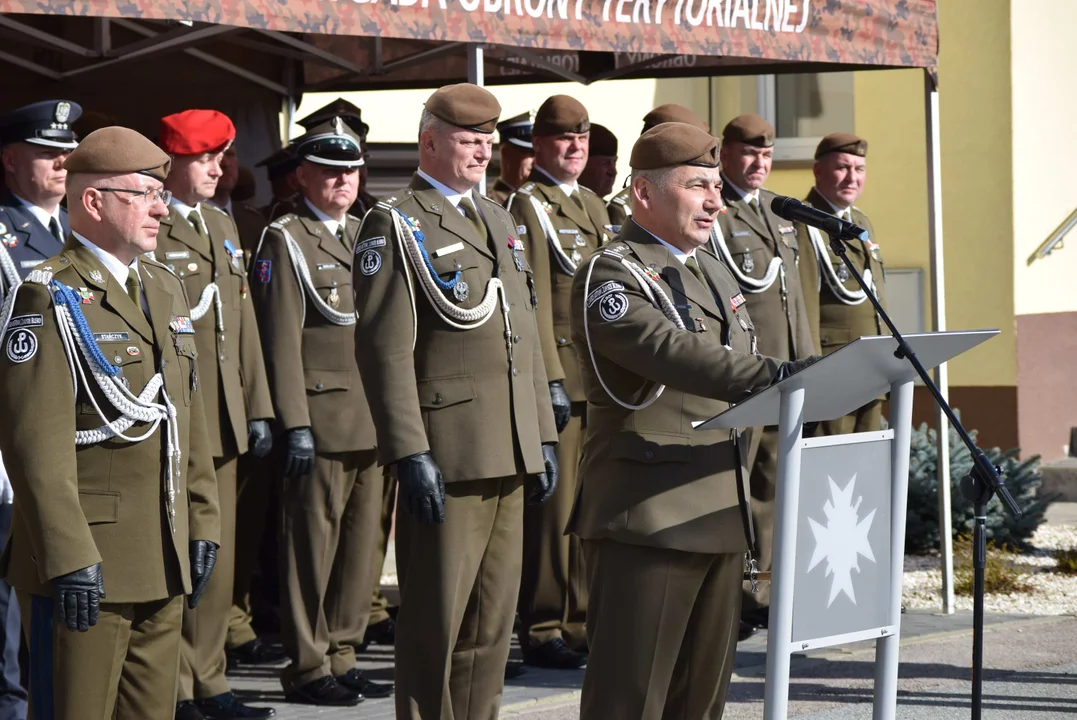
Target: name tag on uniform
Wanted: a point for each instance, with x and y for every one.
(179, 255)
(787, 229)
(29, 263)
(741, 233)
(449, 249)
(569, 231)
(112, 337)
(328, 266)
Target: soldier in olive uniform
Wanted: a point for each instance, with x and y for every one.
(618, 206)
(560, 223)
(601, 170)
(517, 156)
(332, 485)
(838, 310)
(200, 244)
(761, 251)
(115, 498)
(353, 118)
(664, 340)
(450, 358)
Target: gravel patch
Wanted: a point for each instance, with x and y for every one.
(1051, 594)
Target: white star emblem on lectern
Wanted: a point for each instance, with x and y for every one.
(842, 540)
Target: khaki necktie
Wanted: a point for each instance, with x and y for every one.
(340, 235)
(473, 217)
(691, 264)
(577, 197)
(196, 223)
(754, 205)
(134, 289)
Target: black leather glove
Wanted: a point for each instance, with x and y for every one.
(203, 558)
(790, 367)
(299, 459)
(259, 439)
(542, 486)
(562, 406)
(78, 597)
(422, 489)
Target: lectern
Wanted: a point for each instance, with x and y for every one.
(839, 509)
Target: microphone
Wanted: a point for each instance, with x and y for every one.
(796, 211)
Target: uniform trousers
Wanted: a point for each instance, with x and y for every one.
(379, 604)
(459, 583)
(866, 419)
(124, 668)
(329, 528)
(553, 588)
(763, 474)
(254, 489)
(662, 629)
(12, 693)
(205, 629)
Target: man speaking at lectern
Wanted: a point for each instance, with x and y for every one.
(664, 341)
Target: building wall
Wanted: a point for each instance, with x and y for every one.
(1044, 159)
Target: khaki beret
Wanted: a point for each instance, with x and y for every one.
(672, 112)
(842, 142)
(672, 144)
(750, 130)
(561, 114)
(118, 150)
(466, 106)
(603, 142)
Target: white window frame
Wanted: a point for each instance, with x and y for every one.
(798, 149)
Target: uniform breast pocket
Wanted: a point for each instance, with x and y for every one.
(336, 292)
(187, 357)
(237, 286)
(832, 337)
(449, 260)
(750, 254)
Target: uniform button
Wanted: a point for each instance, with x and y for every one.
(334, 283)
(437, 399)
(825, 340)
(457, 266)
(222, 358)
(516, 338)
(561, 341)
(116, 360)
(318, 386)
(515, 372)
(182, 274)
(216, 274)
(649, 454)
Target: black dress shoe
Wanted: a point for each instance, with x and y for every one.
(383, 633)
(187, 710)
(324, 691)
(254, 652)
(354, 680)
(228, 707)
(556, 655)
(746, 631)
(514, 669)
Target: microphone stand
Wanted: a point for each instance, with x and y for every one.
(977, 487)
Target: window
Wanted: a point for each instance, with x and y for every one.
(803, 108)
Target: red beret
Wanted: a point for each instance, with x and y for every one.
(193, 132)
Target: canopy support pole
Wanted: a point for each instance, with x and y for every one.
(938, 322)
(476, 76)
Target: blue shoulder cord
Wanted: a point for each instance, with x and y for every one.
(444, 285)
(64, 295)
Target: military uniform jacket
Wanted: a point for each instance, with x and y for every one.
(105, 502)
(27, 241)
(619, 209)
(250, 223)
(457, 393)
(834, 320)
(230, 363)
(500, 192)
(363, 202)
(578, 233)
(310, 361)
(647, 477)
(780, 315)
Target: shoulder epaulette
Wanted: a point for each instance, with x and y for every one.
(41, 276)
(216, 209)
(354, 218)
(616, 249)
(283, 220)
(527, 188)
(619, 200)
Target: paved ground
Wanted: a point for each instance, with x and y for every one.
(1031, 674)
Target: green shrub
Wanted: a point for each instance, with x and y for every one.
(1067, 561)
(1022, 478)
(1002, 575)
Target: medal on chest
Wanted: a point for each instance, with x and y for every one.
(842, 271)
(747, 263)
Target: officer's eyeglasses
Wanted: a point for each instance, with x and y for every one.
(148, 197)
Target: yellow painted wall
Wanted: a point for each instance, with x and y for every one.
(1043, 55)
(977, 183)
